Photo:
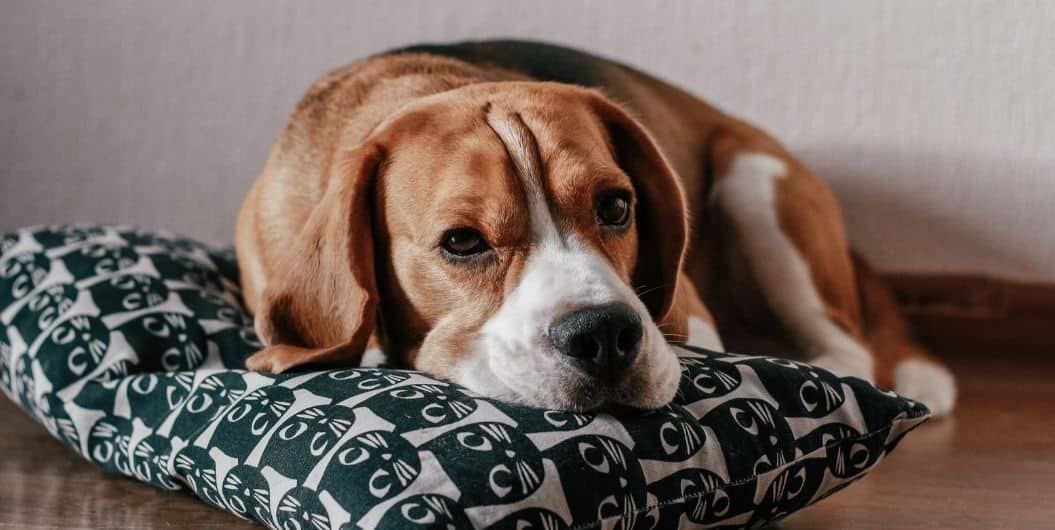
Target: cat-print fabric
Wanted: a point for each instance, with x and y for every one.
(129, 347)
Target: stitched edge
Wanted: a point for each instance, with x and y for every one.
(810, 455)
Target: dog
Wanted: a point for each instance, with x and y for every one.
(538, 224)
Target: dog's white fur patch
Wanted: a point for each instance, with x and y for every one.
(703, 334)
(513, 357)
(926, 382)
(373, 357)
(746, 196)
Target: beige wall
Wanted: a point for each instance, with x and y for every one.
(934, 121)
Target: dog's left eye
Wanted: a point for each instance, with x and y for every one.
(464, 242)
(613, 209)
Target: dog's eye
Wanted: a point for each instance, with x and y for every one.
(464, 242)
(613, 209)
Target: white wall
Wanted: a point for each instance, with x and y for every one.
(934, 121)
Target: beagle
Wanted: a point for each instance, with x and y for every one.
(537, 224)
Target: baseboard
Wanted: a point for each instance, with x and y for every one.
(977, 313)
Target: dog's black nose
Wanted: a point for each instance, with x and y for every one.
(603, 340)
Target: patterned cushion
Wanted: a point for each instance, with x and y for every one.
(129, 346)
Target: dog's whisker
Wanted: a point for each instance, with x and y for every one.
(649, 290)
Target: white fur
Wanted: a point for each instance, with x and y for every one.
(703, 334)
(373, 357)
(926, 382)
(746, 196)
(513, 356)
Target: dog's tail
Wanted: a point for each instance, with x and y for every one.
(901, 363)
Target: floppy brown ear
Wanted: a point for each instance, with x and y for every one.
(661, 218)
(323, 307)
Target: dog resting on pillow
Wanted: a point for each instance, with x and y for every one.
(536, 224)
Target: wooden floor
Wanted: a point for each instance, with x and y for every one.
(991, 466)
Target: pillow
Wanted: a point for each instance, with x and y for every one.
(129, 346)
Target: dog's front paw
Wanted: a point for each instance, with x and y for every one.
(275, 359)
(847, 364)
(928, 382)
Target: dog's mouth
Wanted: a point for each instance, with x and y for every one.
(588, 394)
(547, 379)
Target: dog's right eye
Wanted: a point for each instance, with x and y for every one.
(464, 242)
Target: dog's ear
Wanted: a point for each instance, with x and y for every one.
(322, 308)
(661, 218)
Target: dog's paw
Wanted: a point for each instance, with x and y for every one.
(275, 359)
(702, 334)
(928, 382)
(373, 357)
(847, 364)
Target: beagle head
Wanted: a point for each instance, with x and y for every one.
(521, 239)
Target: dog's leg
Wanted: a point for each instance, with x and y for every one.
(785, 224)
(903, 364)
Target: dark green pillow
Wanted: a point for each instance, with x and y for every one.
(129, 346)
